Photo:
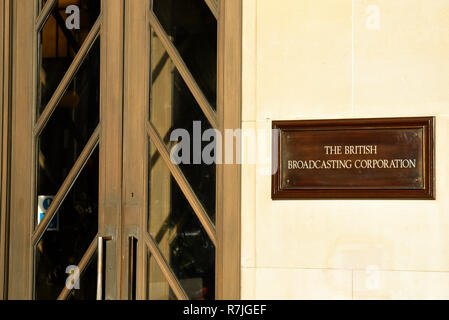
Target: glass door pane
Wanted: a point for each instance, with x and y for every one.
(67, 159)
(182, 188)
(179, 235)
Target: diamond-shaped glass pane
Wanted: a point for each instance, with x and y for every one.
(70, 126)
(179, 234)
(69, 235)
(174, 109)
(59, 42)
(193, 29)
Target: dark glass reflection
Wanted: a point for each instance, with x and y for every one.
(64, 247)
(59, 45)
(193, 29)
(71, 125)
(174, 107)
(60, 144)
(87, 283)
(179, 234)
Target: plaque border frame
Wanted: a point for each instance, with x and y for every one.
(427, 193)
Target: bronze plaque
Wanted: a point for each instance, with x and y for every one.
(354, 159)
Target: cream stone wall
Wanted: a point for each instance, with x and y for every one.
(317, 59)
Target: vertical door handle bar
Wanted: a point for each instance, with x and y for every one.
(100, 266)
(132, 268)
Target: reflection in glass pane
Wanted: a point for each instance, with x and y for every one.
(193, 29)
(87, 283)
(78, 226)
(58, 46)
(70, 126)
(173, 107)
(158, 287)
(179, 234)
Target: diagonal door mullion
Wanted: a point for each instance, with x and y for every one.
(183, 184)
(213, 6)
(68, 77)
(169, 275)
(82, 265)
(184, 71)
(44, 14)
(67, 185)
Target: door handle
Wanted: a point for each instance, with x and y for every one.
(100, 266)
(132, 260)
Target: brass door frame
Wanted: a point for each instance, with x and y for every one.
(111, 111)
(5, 10)
(229, 176)
(19, 277)
(26, 22)
(228, 116)
(124, 99)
